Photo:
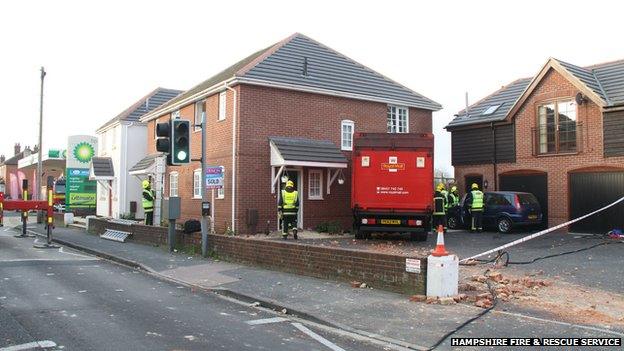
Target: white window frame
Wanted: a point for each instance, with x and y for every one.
(393, 119)
(221, 191)
(199, 115)
(222, 105)
(197, 189)
(312, 196)
(177, 184)
(348, 146)
(175, 114)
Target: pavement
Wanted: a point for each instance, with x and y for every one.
(370, 313)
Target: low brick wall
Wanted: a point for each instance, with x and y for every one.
(379, 270)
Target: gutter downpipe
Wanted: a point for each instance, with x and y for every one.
(234, 134)
(494, 156)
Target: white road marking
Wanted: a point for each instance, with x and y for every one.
(46, 259)
(317, 337)
(266, 321)
(31, 345)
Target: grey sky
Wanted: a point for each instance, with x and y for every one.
(101, 56)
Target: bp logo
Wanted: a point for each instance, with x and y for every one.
(83, 152)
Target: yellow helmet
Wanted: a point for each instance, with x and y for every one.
(474, 186)
(453, 189)
(440, 186)
(290, 184)
(145, 184)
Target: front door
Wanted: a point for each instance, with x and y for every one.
(295, 175)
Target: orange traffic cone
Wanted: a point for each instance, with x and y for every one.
(440, 250)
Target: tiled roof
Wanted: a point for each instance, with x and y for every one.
(605, 80)
(148, 103)
(308, 150)
(301, 62)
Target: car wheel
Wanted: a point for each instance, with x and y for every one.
(418, 236)
(452, 222)
(504, 225)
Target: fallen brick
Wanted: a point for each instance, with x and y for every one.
(484, 296)
(484, 303)
(432, 299)
(466, 287)
(355, 284)
(418, 298)
(447, 301)
(460, 297)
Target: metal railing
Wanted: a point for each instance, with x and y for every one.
(554, 140)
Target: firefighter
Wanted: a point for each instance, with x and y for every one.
(446, 204)
(288, 207)
(148, 202)
(453, 210)
(475, 204)
(439, 207)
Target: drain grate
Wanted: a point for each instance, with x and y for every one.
(115, 235)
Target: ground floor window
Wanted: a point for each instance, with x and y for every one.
(315, 184)
(221, 191)
(173, 184)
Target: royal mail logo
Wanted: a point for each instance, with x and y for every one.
(393, 167)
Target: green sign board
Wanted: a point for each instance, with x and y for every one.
(80, 191)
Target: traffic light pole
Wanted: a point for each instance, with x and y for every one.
(204, 195)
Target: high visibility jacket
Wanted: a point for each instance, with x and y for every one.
(290, 201)
(148, 200)
(446, 201)
(477, 200)
(439, 203)
(454, 200)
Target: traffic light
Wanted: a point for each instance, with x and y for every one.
(163, 131)
(173, 139)
(180, 148)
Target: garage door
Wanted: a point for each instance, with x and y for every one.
(536, 184)
(591, 191)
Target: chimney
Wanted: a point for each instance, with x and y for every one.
(35, 149)
(2, 158)
(17, 148)
(27, 151)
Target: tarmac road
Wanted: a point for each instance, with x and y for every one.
(66, 300)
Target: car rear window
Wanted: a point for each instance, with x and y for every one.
(527, 199)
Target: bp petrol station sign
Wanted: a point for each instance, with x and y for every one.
(81, 192)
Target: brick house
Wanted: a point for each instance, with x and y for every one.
(12, 176)
(558, 135)
(288, 110)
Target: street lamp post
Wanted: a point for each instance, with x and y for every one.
(36, 192)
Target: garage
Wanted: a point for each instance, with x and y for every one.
(591, 191)
(535, 183)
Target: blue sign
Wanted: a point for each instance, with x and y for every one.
(214, 177)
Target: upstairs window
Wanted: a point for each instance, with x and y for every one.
(200, 112)
(398, 119)
(556, 127)
(222, 105)
(346, 130)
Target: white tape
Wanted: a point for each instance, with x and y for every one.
(545, 231)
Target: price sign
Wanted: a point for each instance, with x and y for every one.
(214, 177)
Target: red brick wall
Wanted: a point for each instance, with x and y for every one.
(553, 85)
(265, 112)
(378, 270)
(269, 112)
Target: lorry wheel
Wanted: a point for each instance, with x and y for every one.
(418, 236)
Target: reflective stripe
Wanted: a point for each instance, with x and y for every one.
(455, 200)
(438, 205)
(289, 199)
(477, 200)
(147, 204)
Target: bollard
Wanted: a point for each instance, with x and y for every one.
(442, 270)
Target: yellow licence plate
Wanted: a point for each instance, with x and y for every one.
(390, 221)
(532, 216)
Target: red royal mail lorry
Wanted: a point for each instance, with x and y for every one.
(392, 184)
